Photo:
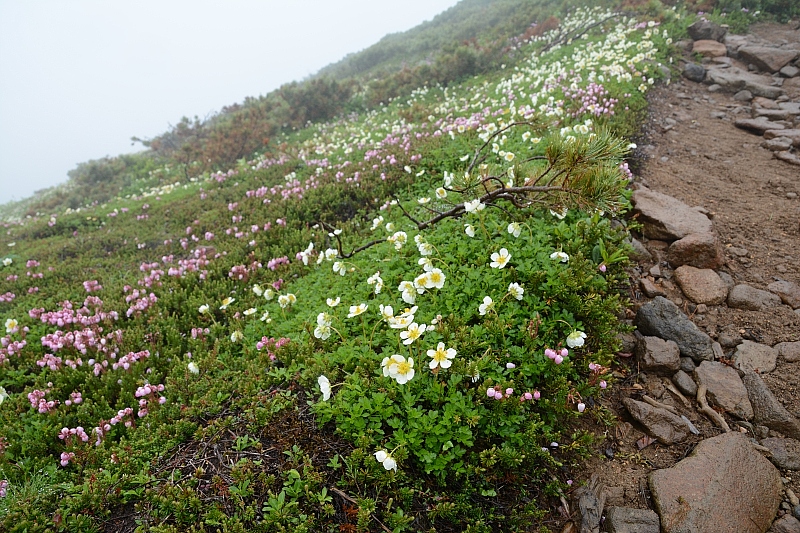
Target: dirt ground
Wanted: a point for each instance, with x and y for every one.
(691, 150)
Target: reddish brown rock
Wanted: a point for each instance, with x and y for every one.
(709, 48)
(701, 250)
(702, 286)
(667, 218)
(724, 486)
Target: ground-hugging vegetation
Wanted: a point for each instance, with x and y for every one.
(396, 320)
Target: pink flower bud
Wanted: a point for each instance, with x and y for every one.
(509, 391)
(536, 395)
(603, 384)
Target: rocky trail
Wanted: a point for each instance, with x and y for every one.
(708, 395)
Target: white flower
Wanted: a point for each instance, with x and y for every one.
(283, 301)
(376, 222)
(269, 294)
(515, 229)
(575, 339)
(423, 200)
(12, 326)
(390, 227)
(560, 214)
(469, 230)
(387, 312)
(331, 254)
(398, 368)
(324, 319)
(441, 356)
(560, 256)
(324, 387)
(376, 280)
(258, 290)
(192, 366)
(203, 309)
(425, 263)
(413, 332)
(356, 310)
(441, 193)
(409, 297)
(486, 306)
(500, 260)
(474, 206)
(386, 460)
(333, 302)
(399, 238)
(226, 302)
(237, 336)
(339, 268)
(516, 290)
(434, 279)
(425, 248)
(249, 312)
(7, 261)
(322, 332)
(509, 156)
(265, 317)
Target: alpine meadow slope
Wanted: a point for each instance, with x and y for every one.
(393, 314)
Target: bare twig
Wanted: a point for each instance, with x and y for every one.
(654, 403)
(708, 411)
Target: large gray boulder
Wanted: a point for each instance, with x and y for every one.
(725, 486)
(734, 79)
(757, 357)
(751, 299)
(662, 318)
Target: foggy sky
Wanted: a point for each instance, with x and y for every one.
(79, 78)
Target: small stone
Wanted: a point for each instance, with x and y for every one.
(715, 88)
(752, 299)
(709, 48)
(640, 253)
(700, 250)
(767, 59)
(660, 423)
(785, 524)
(650, 289)
(665, 217)
(791, 195)
(685, 383)
(789, 71)
(658, 356)
(743, 96)
(627, 520)
(702, 286)
(796, 511)
(757, 357)
(702, 308)
(707, 30)
(725, 388)
(785, 453)
(791, 496)
(778, 144)
(788, 292)
(662, 318)
(687, 364)
(729, 337)
(727, 280)
(767, 410)
(757, 125)
(694, 72)
(655, 271)
(789, 351)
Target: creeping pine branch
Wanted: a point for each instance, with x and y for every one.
(340, 248)
(581, 31)
(505, 128)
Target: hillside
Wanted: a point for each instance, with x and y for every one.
(400, 315)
